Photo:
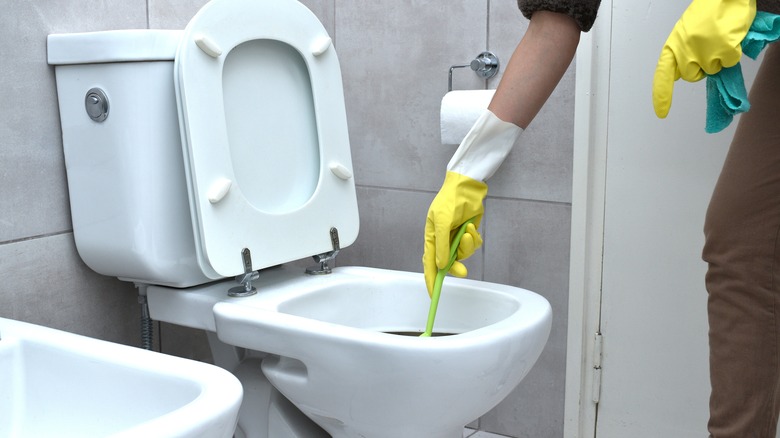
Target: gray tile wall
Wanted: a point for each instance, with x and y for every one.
(42, 279)
(395, 56)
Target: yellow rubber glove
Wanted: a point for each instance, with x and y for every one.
(459, 199)
(706, 38)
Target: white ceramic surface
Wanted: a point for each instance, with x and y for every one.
(224, 157)
(340, 367)
(60, 384)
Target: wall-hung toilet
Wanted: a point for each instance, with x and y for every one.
(197, 158)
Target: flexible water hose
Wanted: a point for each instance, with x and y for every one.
(147, 324)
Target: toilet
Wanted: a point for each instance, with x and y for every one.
(203, 165)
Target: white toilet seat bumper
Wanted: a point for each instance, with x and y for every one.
(339, 365)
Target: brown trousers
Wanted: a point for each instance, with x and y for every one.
(743, 279)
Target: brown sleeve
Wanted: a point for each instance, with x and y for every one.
(582, 11)
(772, 6)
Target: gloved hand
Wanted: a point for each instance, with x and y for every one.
(706, 38)
(461, 196)
(459, 199)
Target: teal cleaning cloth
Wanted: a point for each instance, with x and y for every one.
(764, 30)
(726, 97)
(726, 93)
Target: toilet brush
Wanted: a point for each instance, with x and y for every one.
(440, 279)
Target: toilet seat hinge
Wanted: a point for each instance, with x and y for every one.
(246, 289)
(326, 257)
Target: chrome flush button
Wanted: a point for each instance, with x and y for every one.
(96, 103)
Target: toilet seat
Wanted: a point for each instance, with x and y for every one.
(264, 135)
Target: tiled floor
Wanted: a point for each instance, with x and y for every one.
(471, 433)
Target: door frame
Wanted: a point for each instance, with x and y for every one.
(587, 226)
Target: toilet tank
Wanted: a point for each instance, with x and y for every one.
(126, 180)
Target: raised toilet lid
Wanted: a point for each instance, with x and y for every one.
(264, 135)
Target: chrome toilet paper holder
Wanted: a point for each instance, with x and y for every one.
(485, 65)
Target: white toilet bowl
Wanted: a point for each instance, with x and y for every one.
(222, 151)
(339, 353)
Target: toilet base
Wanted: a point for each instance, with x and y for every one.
(343, 432)
(264, 413)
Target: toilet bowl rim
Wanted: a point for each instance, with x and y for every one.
(528, 321)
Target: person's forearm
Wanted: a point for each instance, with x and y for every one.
(537, 65)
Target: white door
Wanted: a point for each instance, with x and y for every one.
(637, 362)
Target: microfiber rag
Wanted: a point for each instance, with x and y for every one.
(726, 96)
(726, 93)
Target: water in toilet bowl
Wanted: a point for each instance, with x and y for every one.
(417, 334)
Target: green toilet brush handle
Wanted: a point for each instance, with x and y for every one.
(440, 279)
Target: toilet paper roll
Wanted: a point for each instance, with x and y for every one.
(459, 110)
